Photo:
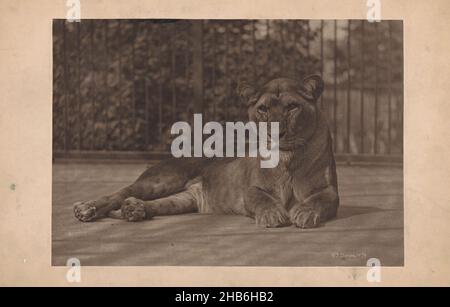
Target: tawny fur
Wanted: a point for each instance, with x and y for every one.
(301, 190)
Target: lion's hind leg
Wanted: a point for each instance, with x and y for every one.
(134, 209)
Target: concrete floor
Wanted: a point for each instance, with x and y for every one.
(369, 224)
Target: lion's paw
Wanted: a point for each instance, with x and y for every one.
(85, 211)
(271, 218)
(133, 210)
(305, 217)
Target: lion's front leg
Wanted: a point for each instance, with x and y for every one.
(315, 209)
(264, 208)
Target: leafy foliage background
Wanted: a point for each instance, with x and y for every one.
(121, 84)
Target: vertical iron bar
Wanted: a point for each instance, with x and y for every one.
(308, 33)
(267, 44)
(66, 87)
(133, 85)
(94, 87)
(335, 89)
(172, 71)
(186, 55)
(119, 29)
(160, 112)
(296, 59)
(239, 53)
(253, 51)
(148, 50)
(267, 38)
(282, 47)
(226, 70)
(402, 80)
(239, 72)
(214, 48)
(147, 110)
(362, 86)
(106, 105)
(147, 72)
(80, 116)
(197, 36)
(349, 83)
(57, 98)
(390, 88)
(159, 30)
(402, 103)
(375, 139)
(321, 56)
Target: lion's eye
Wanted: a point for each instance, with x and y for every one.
(262, 109)
(292, 106)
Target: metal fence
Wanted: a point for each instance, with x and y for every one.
(119, 85)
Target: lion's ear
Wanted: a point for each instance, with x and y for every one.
(314, 86)
(246, 92)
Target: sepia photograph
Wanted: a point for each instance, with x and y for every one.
(154, 122)
(224, 151)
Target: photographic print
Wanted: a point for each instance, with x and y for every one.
(245, 142)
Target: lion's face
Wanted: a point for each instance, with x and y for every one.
(289, 102)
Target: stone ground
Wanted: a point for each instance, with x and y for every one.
(369, 224)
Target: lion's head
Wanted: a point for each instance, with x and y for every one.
(291, 103)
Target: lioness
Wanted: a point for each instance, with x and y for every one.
(300, 190)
